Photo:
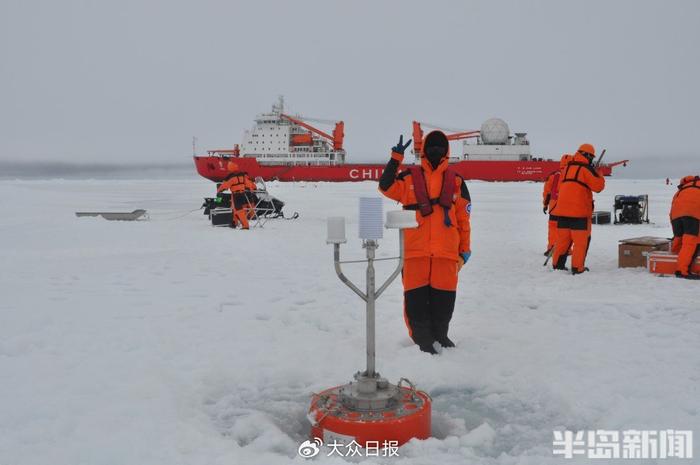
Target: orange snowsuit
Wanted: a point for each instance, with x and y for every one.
(431, 239)
(236, 182)
(685, 220)
(552, 180)
(432, 250)
(550, 194)
(574, 210)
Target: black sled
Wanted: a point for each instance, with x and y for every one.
(266, 205)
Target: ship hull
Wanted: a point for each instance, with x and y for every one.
(214, 168)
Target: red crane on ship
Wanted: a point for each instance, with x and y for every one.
(452, 134)
(336, 138)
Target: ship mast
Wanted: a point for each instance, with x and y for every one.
(279, 106)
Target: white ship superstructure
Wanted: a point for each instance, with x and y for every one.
(496, 144)
(280, 139)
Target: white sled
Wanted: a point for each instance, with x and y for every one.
(115, 216)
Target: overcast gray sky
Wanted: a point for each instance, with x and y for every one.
(133, 81)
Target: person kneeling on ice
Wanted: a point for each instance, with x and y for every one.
(685, 220)
(437, 249)
(237, 182)
(574, 209)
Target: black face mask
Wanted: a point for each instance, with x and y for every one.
(435, 154)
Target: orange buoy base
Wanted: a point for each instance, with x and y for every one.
(407, 418)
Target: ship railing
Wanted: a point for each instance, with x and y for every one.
(318, 161)
(221, 152)
(301, 163)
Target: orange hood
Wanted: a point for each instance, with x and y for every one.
(565, 159)
(579, 158)
(432, 139)
(688, 179)
(586, 148)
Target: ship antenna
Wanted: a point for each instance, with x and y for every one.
(194, 146)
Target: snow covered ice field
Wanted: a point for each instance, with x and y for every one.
(172, 342)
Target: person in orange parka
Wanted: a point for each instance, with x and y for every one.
(550, 195)
(685, 221)
(574, 209)
(236, 182)
(437, 249)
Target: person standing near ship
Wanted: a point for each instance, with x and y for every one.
(574, 209)
(439, 247)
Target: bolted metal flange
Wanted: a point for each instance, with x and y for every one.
(369, 393)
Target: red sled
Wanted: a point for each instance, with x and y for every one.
(665, 263)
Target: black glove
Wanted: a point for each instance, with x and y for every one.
(544, 209)
(401, 147)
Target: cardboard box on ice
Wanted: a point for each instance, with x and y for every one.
(665, 263)
(632, 253)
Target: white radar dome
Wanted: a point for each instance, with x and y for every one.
(495, 131)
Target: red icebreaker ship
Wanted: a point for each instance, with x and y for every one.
(287, 148)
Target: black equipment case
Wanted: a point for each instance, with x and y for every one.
(221, 217)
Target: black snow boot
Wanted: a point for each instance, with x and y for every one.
(692, 276)
(577, 271)
(446, 342)
(429, 349)
(561, 263)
